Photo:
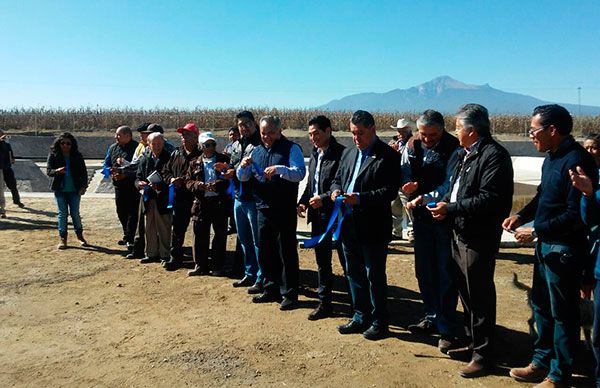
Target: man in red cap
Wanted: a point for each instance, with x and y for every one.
(173, 173)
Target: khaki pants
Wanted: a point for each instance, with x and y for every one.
(158, 231)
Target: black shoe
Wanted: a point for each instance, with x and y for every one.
(474, 369)
(197, 271)
(375, 333)
(246, 281)
(147, 260)
(423, 327)
(447, 344)
(267, 297)
(132, 255)
(351, 327)
(122, 242)
(322, 311)
(172, 265)
(257, 288)
(20, 204)
(288, 304)
(219, 273)
(464, 353)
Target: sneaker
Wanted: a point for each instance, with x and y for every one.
(82, 240)
(530, 374)
(423, 327)
(62, 244)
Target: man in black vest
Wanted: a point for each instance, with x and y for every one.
(315, 200)
(424, 166)
(368, 178)
(479, 197)
(278, 165)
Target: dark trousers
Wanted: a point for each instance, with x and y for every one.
(475, 282)
(11, 183)
(555, 303)
(182, 212)
(596, 332)
(323, 254)
(212, 213)
(127, 199)
(435, 274)
(277, 253)
(365, 269)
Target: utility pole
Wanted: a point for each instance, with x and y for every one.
(579, 101)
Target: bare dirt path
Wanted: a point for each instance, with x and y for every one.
(86, 316)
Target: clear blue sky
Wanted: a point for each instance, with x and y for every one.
(289, 53)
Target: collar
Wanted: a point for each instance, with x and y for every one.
(473, 147)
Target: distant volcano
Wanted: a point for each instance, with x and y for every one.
(446, 94)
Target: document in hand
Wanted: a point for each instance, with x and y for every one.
(154, 177)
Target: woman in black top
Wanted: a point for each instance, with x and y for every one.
(67, 168)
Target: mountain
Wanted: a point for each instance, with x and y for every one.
(446, 94)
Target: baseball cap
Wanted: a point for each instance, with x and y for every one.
(189, 127)
(154, 128)
(206, 136)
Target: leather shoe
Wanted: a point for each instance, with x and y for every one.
(246, 281)
(474, 369)
(322, 311)
(375, 333)
(423, 327)
(463, 353)
(172, 265)
(549, 383)
(288, 304)
(147, 260)
(446, 344)
(257, 288)
(529, 374)
(198, 271)
(267, 297)
(351, 327)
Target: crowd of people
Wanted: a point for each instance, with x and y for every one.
(454, 193)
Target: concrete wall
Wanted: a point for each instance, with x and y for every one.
(94, 147)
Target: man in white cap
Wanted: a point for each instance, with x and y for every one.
(209, 189)
(400, 215)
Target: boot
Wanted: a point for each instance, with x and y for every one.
(62, 244)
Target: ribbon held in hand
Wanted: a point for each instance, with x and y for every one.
(337, 206)
(171, 196)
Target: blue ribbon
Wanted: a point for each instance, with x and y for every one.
(146, 195)
(337, 206)
(259, 171)
(106, 172)
(171, 196)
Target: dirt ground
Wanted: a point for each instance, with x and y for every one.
(88, 317)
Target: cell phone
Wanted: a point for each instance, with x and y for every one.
(432, 205)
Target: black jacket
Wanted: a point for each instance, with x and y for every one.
(195, 184)
(147, 165)
(78, 170)
(377, 184)
(126, 151)
(329, 166)
(484, 196)
(178, 166)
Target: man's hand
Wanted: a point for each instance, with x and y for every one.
(178, 182)
(82, 190)
(220, 167)
(229, 173)
(414, 203)
(335, 194)
(511, 223)
(410, 187)
(393, 144)
(142, 184)
(440, 211)
(351, 199)
(60, 170)
(211, 186)
(581, 181)
(301, 210)
(315, 202)
(524, 235)
(270, 171)
(247, 161)
(586, 291)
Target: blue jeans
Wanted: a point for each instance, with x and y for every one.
(555, 303)
(68, 202)
(435, 275)
(246, 223)
(365, 269)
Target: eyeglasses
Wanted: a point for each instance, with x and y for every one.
(65, 143)
(534, 131)
(210, 145)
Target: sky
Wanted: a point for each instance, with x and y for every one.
(288, 54)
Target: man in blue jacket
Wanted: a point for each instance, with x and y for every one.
(561, 254)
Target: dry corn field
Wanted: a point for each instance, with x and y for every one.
(93, 119)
